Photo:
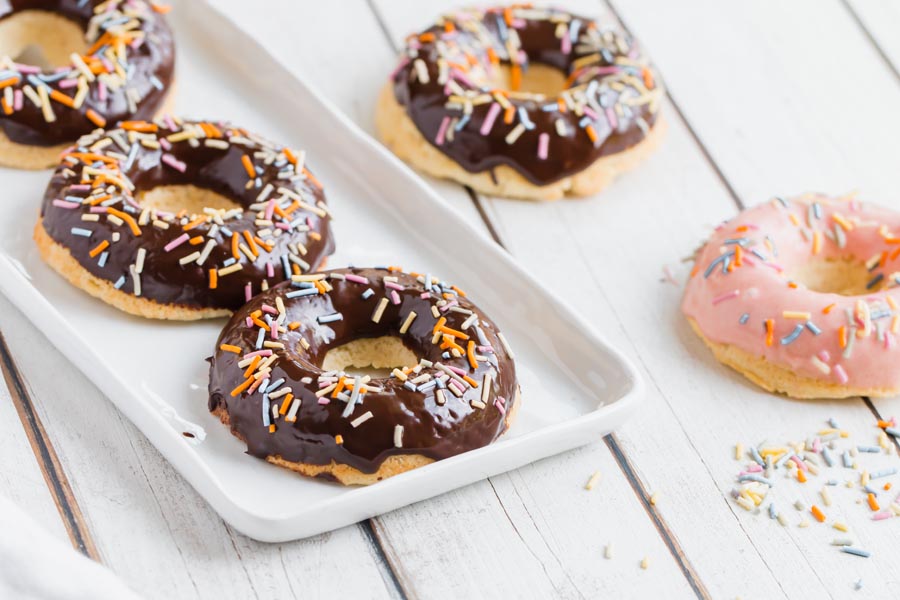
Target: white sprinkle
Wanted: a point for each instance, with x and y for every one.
(409, 319)
(379, 310)
(361, 419)
(398, 436)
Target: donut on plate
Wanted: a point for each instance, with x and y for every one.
(522, 102)
(801, 297)
(112, 60)
(181, 219)
(277, 376)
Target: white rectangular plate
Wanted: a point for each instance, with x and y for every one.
(575, 387)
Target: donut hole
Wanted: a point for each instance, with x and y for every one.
(845, 276)
(375, 357)
(538, 79)
(44, 39)
(189, 198)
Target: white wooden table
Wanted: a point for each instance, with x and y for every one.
(765, 97)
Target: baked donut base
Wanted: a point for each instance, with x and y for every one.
(347, 475)
(777, 379)
(398, 132)
(62, 261)
(36, 158)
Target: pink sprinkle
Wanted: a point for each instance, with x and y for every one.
(249, 322)
(101, 91)
(67, 83)
(393, 286)
(170, 122)
(18, 100)
(824, 356)
(726, 296)
(841, 374)
(269, 309)
(27, 69)
(65, 204)
(499, 406)
(176, 242)
(173, 162)
(270, 208)
(425, 295)
(166, 144)
(442, 131)
(749, 260)
(488, 124)
(80, 187)
(258, 353)
(799, 463)
(248, 292)
(324, 400)
(284, 226)
(270, 270)
(356, 278)
(457, 386)
(448, 306)
(543, 143)
(771, 265)
(98, 210)
(881, 516)
(456, 370)
(566, 45)
(817, 445)
(395, 297)
(888, 340)
(611, 117)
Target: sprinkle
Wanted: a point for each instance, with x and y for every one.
(543, 143)
(726, 296)
(407, 322)
(592, 481)
(362, 419)
(322, 319)
(398, 436)
(645, 563)
(379, 310)
(856, 551)
(792, 336)
(608, 551)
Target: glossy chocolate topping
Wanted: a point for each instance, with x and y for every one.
(215, 259)
(444, 81)
(441, 406)
(131, 61)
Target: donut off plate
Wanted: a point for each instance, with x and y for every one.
(575, 387)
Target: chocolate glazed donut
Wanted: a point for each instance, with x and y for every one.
(193, 257)
(124, 74)
(448, 85)
(267, 380)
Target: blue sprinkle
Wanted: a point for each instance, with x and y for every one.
(736, 241)
(870, 490)
(103, 258)
(744, 318)
(229, 262)
(82, 232)
(870, 449)
(409, 385)
(573, 30)
(831, 482)
(875, 281)
(833, 422)
(298, 293)
(883, 473)
(286, 266)
(829, 458)
(523, 117)
(712, 266)
(155, 82)
(330, 318)
(275, 385)
(756, 478)
(225, 231)
(848, 462)
(119, 282)
(792, 335)
(265, 411)
(754, 454)
(781, 201)
(856, 551)
(367, 294)
(773, 514)
(260, 338)
(812, 327)
(892, 431)
(462, 122)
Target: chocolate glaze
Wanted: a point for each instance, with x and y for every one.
(164, 280)
(624, 92)
(155, 56)
(436, 431)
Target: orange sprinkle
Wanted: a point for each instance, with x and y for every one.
(7, 107)
(229, 348)
(247, 383)
(286, 403)
(470, 381)
(842, 336)
(259, 323)
(492, 56)
(738, 256)
(648, 79)
(161, 8)
(440, 323)
(792, 284)
(887, 486)
(100, 199)
(509, 114)
(873, 502)
(801, 475)
(458, 291)
(194, 223)
(470, 353)
(235, 240)
(454, 332)
(339, 439)
(895, 254)
(339, 387)
(251, 243)
(213, 279)
(253, 364)
(828, 308)
(271, 428)
(770, 331)
(561, 104)
(793, 219)
(248, 166)
(139, 126)
(293, 325)
(883, 259)
(268, 246)
(196, 240)
(289, 154)
(8, 82)
(817, 242)
(882, 423)
(62, 98)
(312, 178)
(99, 248)
(132, 224)
(508, 16)
(427, 37)
(817, 512)
(515, 79)
(591, 133)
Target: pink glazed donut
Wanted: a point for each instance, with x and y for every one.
(801, 297)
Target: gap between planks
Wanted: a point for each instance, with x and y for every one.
(612, 443)
(52, 470)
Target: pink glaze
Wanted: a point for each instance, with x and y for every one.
(717, 297)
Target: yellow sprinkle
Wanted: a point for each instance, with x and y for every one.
(645, 563)
(654, 498)
(826, 497)
(796, 314)
(409, 319)
(738, 451)
(840, 526)
(864, 479)
(594, 479)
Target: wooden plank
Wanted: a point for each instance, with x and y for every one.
(879, 20)
(696, 409)
(150, 526)
(21, 478)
